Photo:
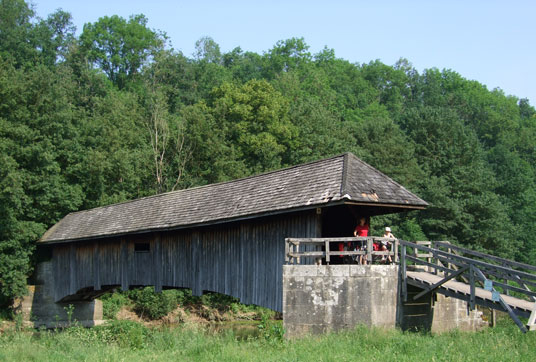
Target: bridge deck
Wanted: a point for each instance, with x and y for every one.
(424, 278)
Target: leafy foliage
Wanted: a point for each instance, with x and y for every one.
(80, 117)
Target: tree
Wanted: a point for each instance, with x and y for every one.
(207, 50)
(168, 143)
(255, 120)
(54, 36)
(286, 55)
(458, 183)
(16, 31)
(119, 47)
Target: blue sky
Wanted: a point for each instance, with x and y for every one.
(488, 41)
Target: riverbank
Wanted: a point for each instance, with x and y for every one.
(133, 341)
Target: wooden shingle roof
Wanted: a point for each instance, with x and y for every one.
(343, 178)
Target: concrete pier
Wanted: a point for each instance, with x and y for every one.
(322, 298)
(39, 309)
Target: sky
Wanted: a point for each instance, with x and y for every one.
(489, 41)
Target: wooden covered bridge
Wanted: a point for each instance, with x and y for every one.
(227, 238)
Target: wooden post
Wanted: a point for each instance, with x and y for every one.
(369, 250)
(395, 249)
(507, 291)
(96, 266)
(326, 243)
(287, 250)
(157, 263)
(472, 287)
(124, 265)
(531, 324)
(493, 317)
(403, 271)
(72, 270)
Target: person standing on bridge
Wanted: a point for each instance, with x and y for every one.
(384, 243)
(362, 230)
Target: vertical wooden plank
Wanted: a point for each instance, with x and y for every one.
(157, 262)
(124, 265)
(96, 266)
(243, 269)
(403, 272)
(196, 255)
(327, 252)
(72, 269)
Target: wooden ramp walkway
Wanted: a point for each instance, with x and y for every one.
(462, 291)
(477, 278)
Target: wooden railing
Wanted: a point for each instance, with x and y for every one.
(496, 275)
(300, 248)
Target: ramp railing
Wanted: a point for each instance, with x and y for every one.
(505, 281)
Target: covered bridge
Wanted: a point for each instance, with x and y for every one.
(227, 237)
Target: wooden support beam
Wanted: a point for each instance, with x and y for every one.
(96, 266)
(369, 250)
(440, 283)
(124, 265)
(531, 324)
(72, 269)
(157, 263)
(287, 251)
(404, 280)
(501, 301)
(472, 287)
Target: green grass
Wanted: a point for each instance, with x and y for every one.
(124, 340)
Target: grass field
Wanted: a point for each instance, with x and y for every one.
(131, 341)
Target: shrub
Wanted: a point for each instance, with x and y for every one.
(125, 333)
(151, 305)
(112, 303)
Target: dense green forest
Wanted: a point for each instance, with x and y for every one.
(116, 114)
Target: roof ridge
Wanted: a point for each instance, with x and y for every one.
(208, 185)
(384, 175)
(344, 176)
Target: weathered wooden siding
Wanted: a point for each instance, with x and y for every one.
(242, 259)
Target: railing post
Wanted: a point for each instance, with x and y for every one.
(326, 243)
(403, 272)
(287, 249)
(472, 286)
(369, 251)
(395, 249)
(507, 291)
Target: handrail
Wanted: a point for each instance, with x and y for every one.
(474, 271)
(503, 261)
(293, 254)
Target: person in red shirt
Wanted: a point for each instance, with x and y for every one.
(362, 228)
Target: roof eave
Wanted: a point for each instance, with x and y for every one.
(343, 201)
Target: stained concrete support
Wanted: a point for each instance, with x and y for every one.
(322, 298)
(437, 313)
(39, 309)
